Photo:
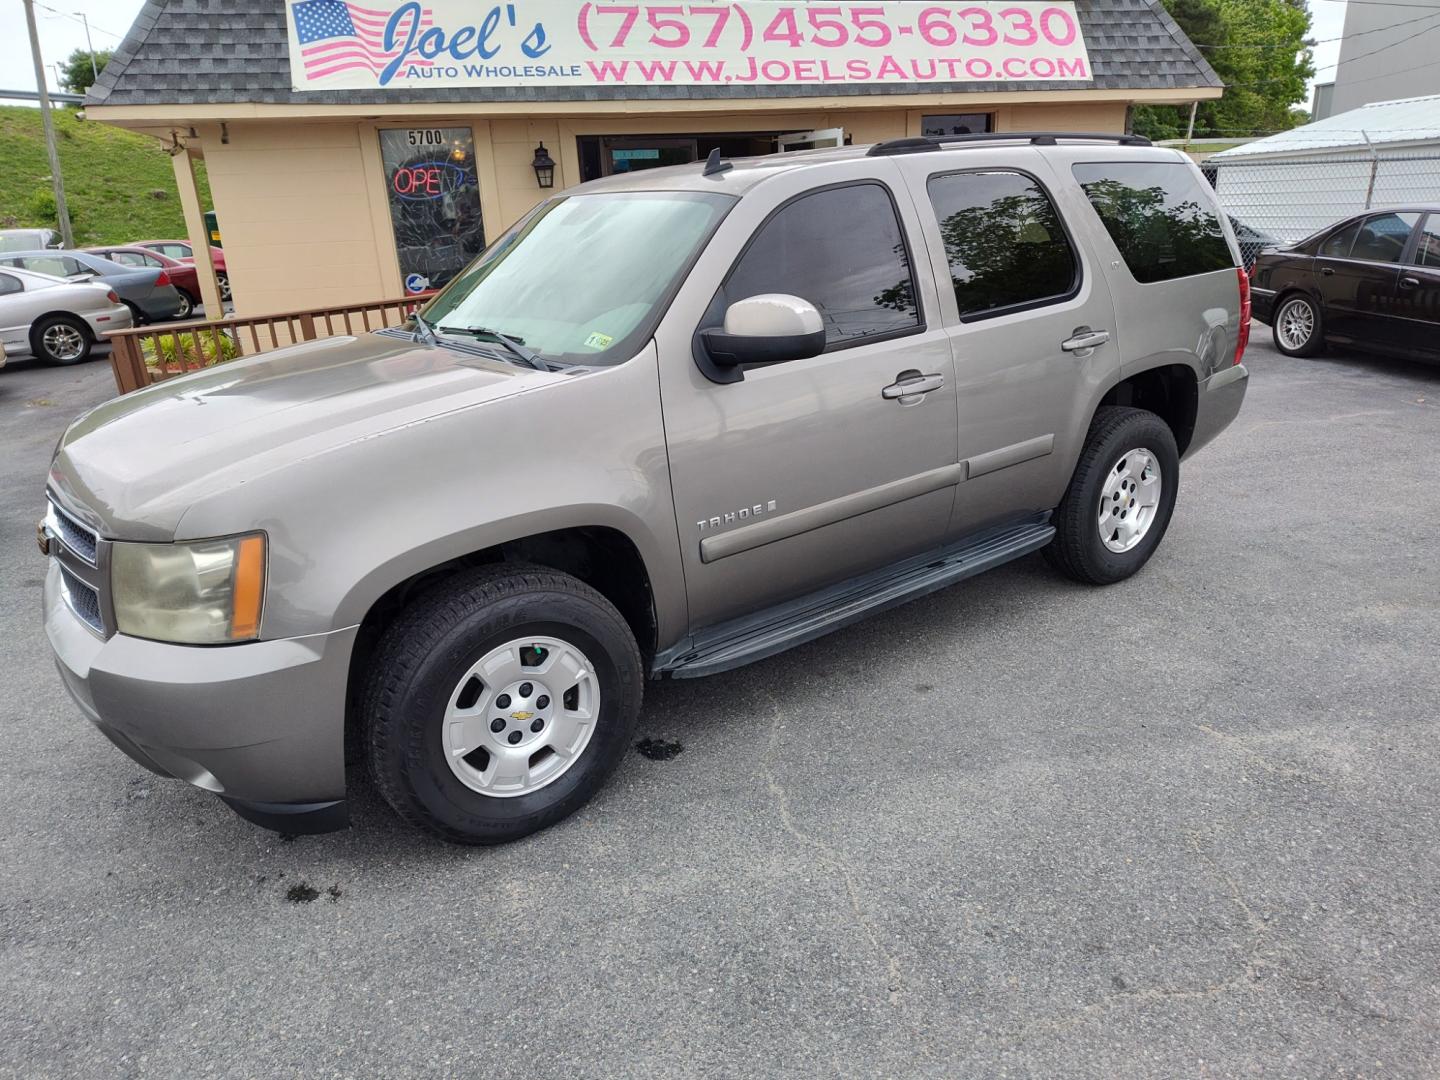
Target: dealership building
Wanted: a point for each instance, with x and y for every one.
(359, 151)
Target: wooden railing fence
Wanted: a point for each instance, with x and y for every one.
(159, 351)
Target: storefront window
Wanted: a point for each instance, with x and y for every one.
(434, 202)
(940, 125)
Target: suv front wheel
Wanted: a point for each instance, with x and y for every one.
(499, 702)
(1120, 499)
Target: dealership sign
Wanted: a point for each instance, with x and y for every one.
(337, 45)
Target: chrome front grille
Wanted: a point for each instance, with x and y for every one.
(75, 536)
(83, 599)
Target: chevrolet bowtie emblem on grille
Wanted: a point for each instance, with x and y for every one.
(521, 716)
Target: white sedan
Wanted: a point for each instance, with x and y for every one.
(57, 320)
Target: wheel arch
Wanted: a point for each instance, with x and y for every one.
(1171, 391)
(603, 556)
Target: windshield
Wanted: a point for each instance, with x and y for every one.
(585, 277)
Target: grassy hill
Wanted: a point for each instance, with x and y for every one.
(120, 186)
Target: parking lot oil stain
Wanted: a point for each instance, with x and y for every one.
(658, 749)
(302, 894)
(334, 893)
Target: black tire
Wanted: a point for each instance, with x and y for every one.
(424, 654)
(39, 347)
(1315, 342)
(187, 305)
(1078, 550)
(222, 280)
(137, 317)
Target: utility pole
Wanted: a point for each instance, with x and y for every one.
(1190, 130)
(94, 67)
(61, 210)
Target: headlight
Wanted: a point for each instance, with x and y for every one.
(203, 593)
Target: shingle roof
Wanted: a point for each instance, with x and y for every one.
(184, 52)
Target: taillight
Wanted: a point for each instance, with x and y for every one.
(1243, 337)
(113, 296)
(163, 279)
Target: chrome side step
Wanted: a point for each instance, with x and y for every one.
(754, 637)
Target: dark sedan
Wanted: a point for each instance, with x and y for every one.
(1371, 281)
(147, 292)
(182, 275)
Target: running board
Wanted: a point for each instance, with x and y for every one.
(754, 637)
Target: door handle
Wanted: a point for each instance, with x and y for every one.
(1327, 270)
(1409, 283)
(910, 386)
(1085, 339)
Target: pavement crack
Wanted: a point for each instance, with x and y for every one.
(894, 977)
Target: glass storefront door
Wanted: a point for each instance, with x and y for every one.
(434, 202)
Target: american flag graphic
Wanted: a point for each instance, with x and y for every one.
(337, 36)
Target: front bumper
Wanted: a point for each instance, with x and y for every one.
(261, 724)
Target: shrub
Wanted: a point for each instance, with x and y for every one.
(181, 350)
(42, 207)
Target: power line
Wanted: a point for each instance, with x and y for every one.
(76, 18)
(1350, 60)
(1326, 41)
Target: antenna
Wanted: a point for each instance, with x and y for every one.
(715, 164)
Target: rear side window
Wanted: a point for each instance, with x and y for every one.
(1003, 240)
(1428, 252)
(1160, 216)
(10, 285)
(841, 249)
(1383, 237)
(1338, 245)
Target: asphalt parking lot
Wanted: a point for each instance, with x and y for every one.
(1185, 826)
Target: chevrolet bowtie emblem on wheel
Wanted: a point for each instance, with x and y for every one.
(521, 716)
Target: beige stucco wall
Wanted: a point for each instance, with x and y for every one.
(302, 202)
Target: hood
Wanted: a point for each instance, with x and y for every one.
(138, 462)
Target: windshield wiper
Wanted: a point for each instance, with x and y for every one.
(512, 346)
(422, 330)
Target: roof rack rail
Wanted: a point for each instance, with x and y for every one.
(926, 143)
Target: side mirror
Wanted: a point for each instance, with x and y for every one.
(772, 328)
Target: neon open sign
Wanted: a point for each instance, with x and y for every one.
(427, 180)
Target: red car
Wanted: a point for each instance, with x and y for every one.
(183, 275)
(181, 249)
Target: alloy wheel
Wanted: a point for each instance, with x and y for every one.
(1295, 324)
(63, 342)
(1129, 500)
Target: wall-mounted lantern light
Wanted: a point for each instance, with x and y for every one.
(544, 166)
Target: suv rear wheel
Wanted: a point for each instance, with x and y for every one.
(1120, 499)
(499, 702)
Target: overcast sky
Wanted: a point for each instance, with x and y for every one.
(110, 19)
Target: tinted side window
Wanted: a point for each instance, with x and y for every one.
(175, 251)
(1003, 240)
(10, 285)
(1160, 216)
(1428, 252)
(841, 249)
(1338, 245)
(1383, 237)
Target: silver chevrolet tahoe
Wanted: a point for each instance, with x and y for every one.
(669, 423)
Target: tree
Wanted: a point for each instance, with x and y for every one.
(1261, 54)
(76, 73)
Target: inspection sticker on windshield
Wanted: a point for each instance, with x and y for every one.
(598, 340)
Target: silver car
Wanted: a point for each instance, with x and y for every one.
(672, 422)
(57, 320)
(147, 291)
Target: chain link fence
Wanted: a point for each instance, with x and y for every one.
(1281, 201)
